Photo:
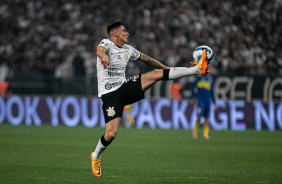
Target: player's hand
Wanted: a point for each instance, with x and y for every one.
(105, 62)
(191, 102)
(215, 107)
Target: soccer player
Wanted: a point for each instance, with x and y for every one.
(116, 92)
(205, 92)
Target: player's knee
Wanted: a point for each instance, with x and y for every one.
(112, 134)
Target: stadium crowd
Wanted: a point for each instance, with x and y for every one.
(55, 40)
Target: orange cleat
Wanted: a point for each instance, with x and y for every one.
(95, 165)
(206, 136)
(202, 64)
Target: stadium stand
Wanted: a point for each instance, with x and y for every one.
(49, 46)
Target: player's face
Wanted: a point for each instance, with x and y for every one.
(123, 34)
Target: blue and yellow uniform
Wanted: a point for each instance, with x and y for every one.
(205, 92)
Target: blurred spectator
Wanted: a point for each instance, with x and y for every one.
(175, 91)
(79, 74)
(4, 71)
(90, 71)
(64, 74)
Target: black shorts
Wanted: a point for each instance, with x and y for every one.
(114, 102)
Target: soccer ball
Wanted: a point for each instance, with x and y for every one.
(197, 54)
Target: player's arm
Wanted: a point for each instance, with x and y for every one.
(152, 62)
(101, 53)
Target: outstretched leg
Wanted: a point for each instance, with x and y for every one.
(150, 78)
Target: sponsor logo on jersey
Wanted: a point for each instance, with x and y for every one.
(112, 69)
(133, 79)
(115, 84)
(111, 111)
(108, 86)
(118, 67)
(116, 74)
(102, 43)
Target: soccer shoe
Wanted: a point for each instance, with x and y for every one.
(206, 136)
(202, 64)
(95, 166)
(195, 134)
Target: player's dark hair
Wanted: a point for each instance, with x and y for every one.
(113, 26)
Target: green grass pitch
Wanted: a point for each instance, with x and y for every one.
(48, 154)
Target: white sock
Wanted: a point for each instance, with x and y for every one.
(99, 150)
(176, 73)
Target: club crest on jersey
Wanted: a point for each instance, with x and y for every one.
(126, 55)
(111, 111)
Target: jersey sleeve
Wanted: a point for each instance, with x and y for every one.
(135, 54)
(105, 43)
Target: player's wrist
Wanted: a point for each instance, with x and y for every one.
(105, 58)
